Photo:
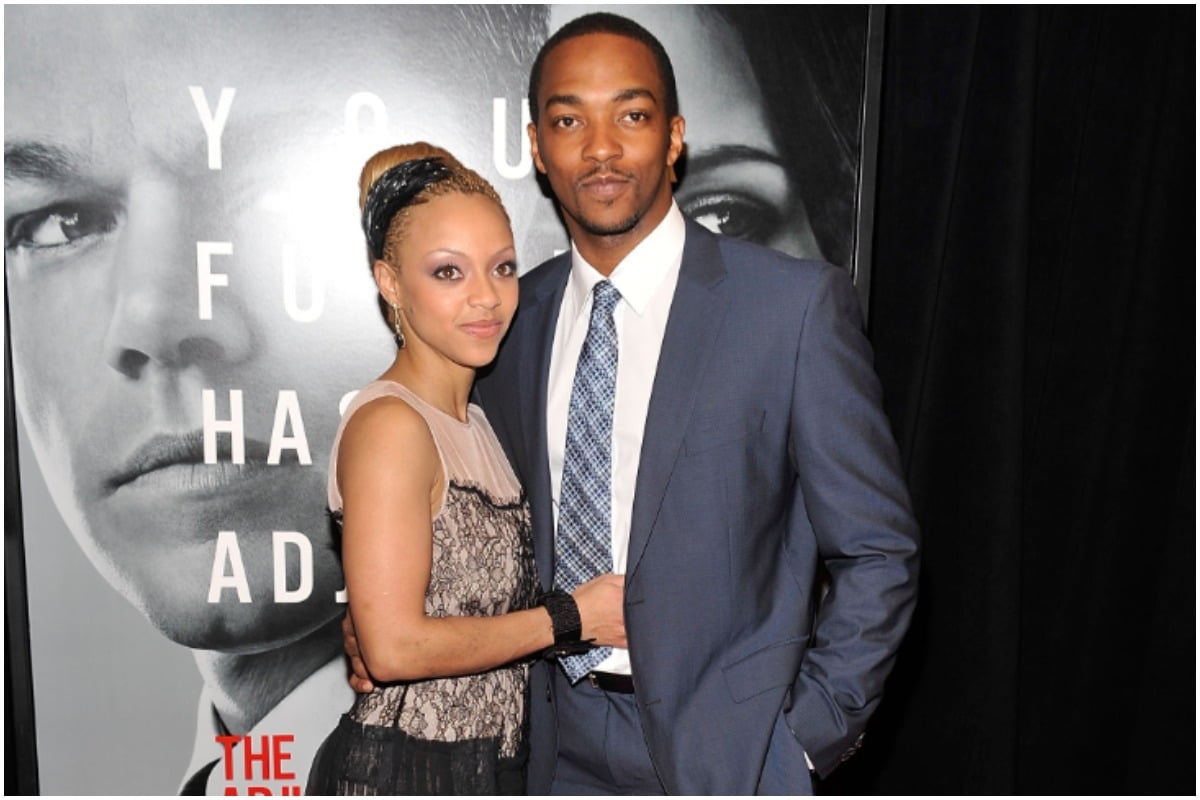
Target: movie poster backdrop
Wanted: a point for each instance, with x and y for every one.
(190, 306)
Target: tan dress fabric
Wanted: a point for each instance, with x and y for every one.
(482, 566)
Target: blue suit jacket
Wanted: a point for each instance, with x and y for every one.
(766, 452)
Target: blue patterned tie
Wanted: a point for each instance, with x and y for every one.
(583, 543)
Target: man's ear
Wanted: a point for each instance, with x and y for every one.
(675, 148)
(531, 129)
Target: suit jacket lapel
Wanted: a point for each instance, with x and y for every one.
(540, 313)
(697, 313)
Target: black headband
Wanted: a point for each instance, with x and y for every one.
(395, 189)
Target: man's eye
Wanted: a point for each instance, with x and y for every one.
(60, 225)
(735, 215)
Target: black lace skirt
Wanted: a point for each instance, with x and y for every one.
(359, 759)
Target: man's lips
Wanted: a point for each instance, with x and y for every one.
(604, 183)
(177, 461)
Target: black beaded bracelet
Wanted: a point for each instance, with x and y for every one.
(564, 618)
(564, 615)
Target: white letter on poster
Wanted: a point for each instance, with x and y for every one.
(500, 140)
(287, 409)
(316, 292)
(344, 403)
(233, 426)
(279, 542)
(371, 102)
(214, 124)
(227, 551)
(205, 277)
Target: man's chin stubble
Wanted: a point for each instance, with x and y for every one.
(618, 229)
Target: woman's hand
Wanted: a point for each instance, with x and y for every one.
(601, 604)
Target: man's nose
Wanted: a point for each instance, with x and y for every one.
(156, 321)
(603, 142)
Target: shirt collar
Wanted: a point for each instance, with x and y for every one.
(640, 273)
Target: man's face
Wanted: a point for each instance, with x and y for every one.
(603, 139)
(733, 179)
(108, 191)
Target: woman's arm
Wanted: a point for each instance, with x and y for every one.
(391, 480)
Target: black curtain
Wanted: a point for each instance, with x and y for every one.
(1033, 315)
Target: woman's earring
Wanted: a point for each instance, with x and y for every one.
(396, 327)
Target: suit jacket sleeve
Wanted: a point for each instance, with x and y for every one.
(852, 499)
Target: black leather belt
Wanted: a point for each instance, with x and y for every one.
(611, 682)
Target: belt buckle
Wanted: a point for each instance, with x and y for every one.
(593, 680)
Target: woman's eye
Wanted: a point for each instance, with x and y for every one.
(507, 269)
(447, 272)
(735, 215)
(60, 225)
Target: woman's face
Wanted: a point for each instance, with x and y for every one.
(180, 218)
(456, 286)
(733, 179)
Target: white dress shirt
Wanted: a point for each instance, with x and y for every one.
(646, 279)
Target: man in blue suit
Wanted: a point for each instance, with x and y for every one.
(748, 450)
(743, 449)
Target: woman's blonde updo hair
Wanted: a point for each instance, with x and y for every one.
(398, 178)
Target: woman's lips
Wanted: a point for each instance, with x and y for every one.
(484, 329)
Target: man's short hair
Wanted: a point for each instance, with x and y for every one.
(604, 22)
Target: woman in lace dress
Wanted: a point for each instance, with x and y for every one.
(435, 528)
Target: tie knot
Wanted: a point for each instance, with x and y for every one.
(607, 297)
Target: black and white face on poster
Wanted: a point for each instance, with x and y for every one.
(190, 306)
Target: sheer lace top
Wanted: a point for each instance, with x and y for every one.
(482, 566)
